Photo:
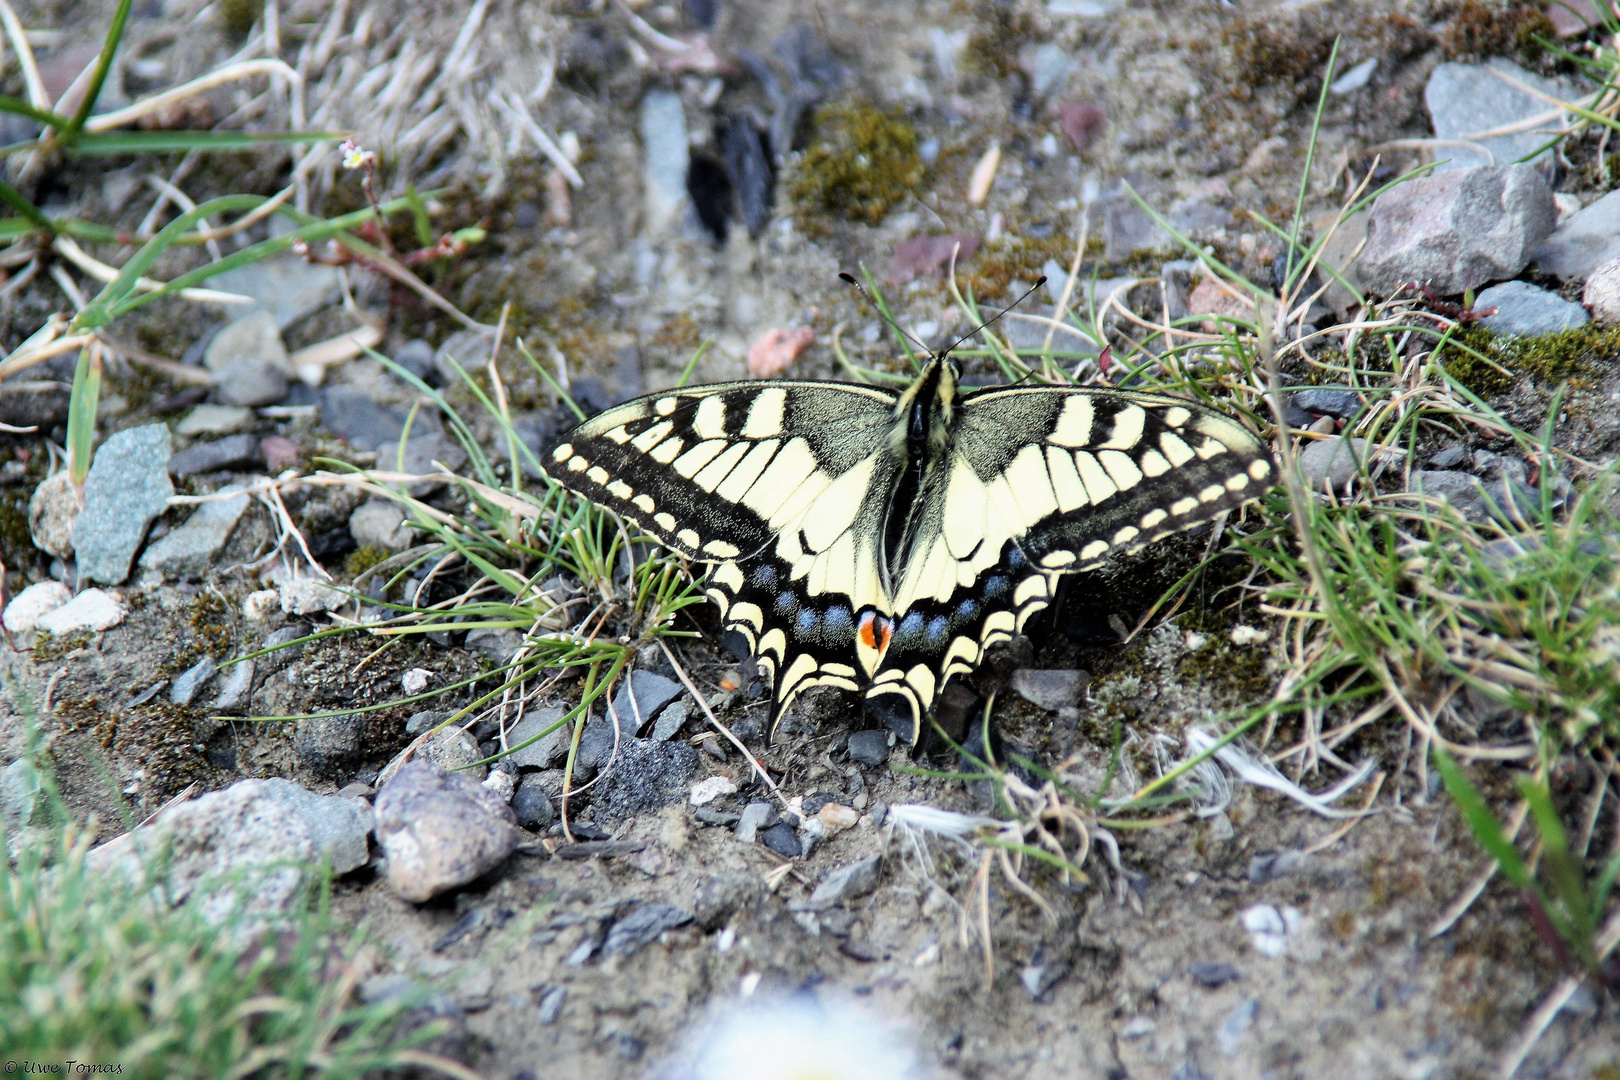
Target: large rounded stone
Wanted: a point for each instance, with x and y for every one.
(440, 829)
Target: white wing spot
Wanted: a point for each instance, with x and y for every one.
(619, 435)
(721, 548)
(1238, 482)
(1031, 588)
(652, 436)
(749, 613)
(620, 489)
(688, 537)
(1121, 468)
(1175, 449)
(1074, 422)
(710, 422)
(665, 521)
(765, 414)
(1211, 493)
(1094, 550)
(666, 451)
(644, 503)
(1031, 485)
(1184, 506)
(1153, 463)
(666, 406)
(1260, 469)
(1098, 486)
(599, 474)
(578, 464)
(1210, 447)
(1152, 518)
(1176, 416)
(562, 453)
(730, 575)
(1057, 559)
(1127, 428)
(1127, 534)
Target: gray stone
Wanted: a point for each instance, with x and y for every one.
(420, 722)
(641, 697)
(185, 686)
(1355, 78)
(870, 747)
(1448, 458)
(549, 749)
(283, 652)
(466, 349)
(756, 816)
(1467, 99)
(92, 610)
(421, 454)
(306, 596)
(213, 420)
(1040, 977)
(1476, 499)
(1331, 461)
(127, 488)
(551, 1004)
(25, 610)
(532, 805)
(253, 844)
(455, 749)
(499, 643)
(847, 883)
(1230, 1035)
(671, 720)
(782, 839)
(1341, 404)
(1050, 690)
(1049, 66)
(596, 743)
(416, 357)
(328, 746)
(1264, 868)
(192, 547)
(19, 795)
(249, 361)
(440, 829)
(380, 523)
(648, 775)
(1213, 975)
(1524, 310)
(667, 155)
(1602, 293)
(1339, 254)
(287, 286)
(641, 927)
(1127, 229)
(1457, 230)
(232, 452)
(1584, 242)
(352, 416)
(232, 698)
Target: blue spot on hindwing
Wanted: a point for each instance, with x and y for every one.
(786, 604)
(807, 621)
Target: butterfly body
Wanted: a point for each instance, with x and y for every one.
(881, 542)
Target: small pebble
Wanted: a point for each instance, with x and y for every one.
(415, 681)
(1213, 975)
(1247, 635)
(707, 790)
(984, 175)
(280, 453)
(93, 609)
(755, 816)
(258, 606)
(1602, 293)
(783, 839)
(870, 747)
(836, 817)
(502, 784)
(33, 603)
(1270, 929)
(776, 350)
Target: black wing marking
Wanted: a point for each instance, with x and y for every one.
(1042, 482)
(773, 484)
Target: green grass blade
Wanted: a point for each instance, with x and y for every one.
(1487, 830)
(161, 142)
(81, 424)
(98, 78)
(20, 203)
(18, 107)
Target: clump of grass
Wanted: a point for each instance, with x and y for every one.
(861, 161)
(94, 971)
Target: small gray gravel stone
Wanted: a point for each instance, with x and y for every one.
(379, 523)
(1040, 977)
(192, 547)
(232, 698)
(1331, 461)
(870, 747)
(286, 286)
(420, 722)
(1229, 1036)
(532, 805)
(212, 420)
(440, 829)
(1049, 689)
(328, 746)
(249, 361)
(551, 1004)
(127, 488)
(454, 749)
(847, 882)
(416, 357)
(282, 652)
(667, 156)
(642, 927)
(232, 452)
(52, 510)
(1602, 293)
(1584, 242)
(1523, 310)
(500, 644)
(756, 816)
(186, 684)
(1264, 868)
(467, 349)
(1457, 230)
(1466, 98)
(783, 839)
(1341, 404)
(642, 697)
(671, 720)
(1213, 975)
(1449, 458)
(551, 748)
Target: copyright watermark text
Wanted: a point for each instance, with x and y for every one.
(60, 1068)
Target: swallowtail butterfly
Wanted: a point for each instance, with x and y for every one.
(880, 541)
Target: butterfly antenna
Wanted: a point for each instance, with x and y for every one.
(1038, 283)
(849, 279)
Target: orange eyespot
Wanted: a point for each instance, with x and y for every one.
(875, 630)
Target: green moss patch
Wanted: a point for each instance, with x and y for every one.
(861, 162)
(1573, 356)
